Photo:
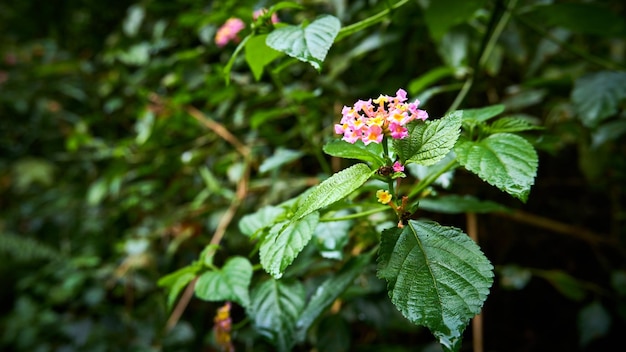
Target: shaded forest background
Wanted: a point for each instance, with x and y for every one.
(109, 180)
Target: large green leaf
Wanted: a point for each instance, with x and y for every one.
(371, 153)
(334, 188)
(597, 96)
(258, 54)
(309, 44)
(329, 290)
(230, 283)
(436, 276)
(275, 308)
(504, 160)
(285, 241)
(429, 142)
(441, 15)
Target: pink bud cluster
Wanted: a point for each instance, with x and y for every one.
(228, 32)
(387, 116)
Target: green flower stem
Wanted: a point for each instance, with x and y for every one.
(423, 184)
(386, 152)
(231, 61)
(355, 27)
(356, 215)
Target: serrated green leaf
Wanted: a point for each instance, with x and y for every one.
(262, 218)
(511, 124)
(504, 160)
(275, 307)
(371, 153)
(280, 157)
(597, 96)
(309, 44)
(441, 15)
(329, 291)
(285, 241)
(431, 141)
(456, 204)
(334, 188)
(436, 276)
(230, 283)
(482, 114)
(258, 55)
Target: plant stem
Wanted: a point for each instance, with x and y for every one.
(356, 215)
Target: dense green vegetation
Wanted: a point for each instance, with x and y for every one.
(138, 156)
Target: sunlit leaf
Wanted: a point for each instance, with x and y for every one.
(334, 188)
(262, 218)
(437, 277)
(275, 307)
(371, 153)
(230, 283)
(429, 142)
(306, 43)
(258, 55)
(504, 160)
(285, 241)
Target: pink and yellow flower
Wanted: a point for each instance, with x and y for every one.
(383, 196)
(370, 120)
(397, 167)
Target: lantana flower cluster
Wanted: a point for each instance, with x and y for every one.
(370, 120)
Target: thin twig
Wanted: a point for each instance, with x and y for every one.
(181, 306)
(219, 130)
(477, 322)
(240, 194)
(559, 227)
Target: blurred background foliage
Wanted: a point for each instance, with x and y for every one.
(108, 181)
